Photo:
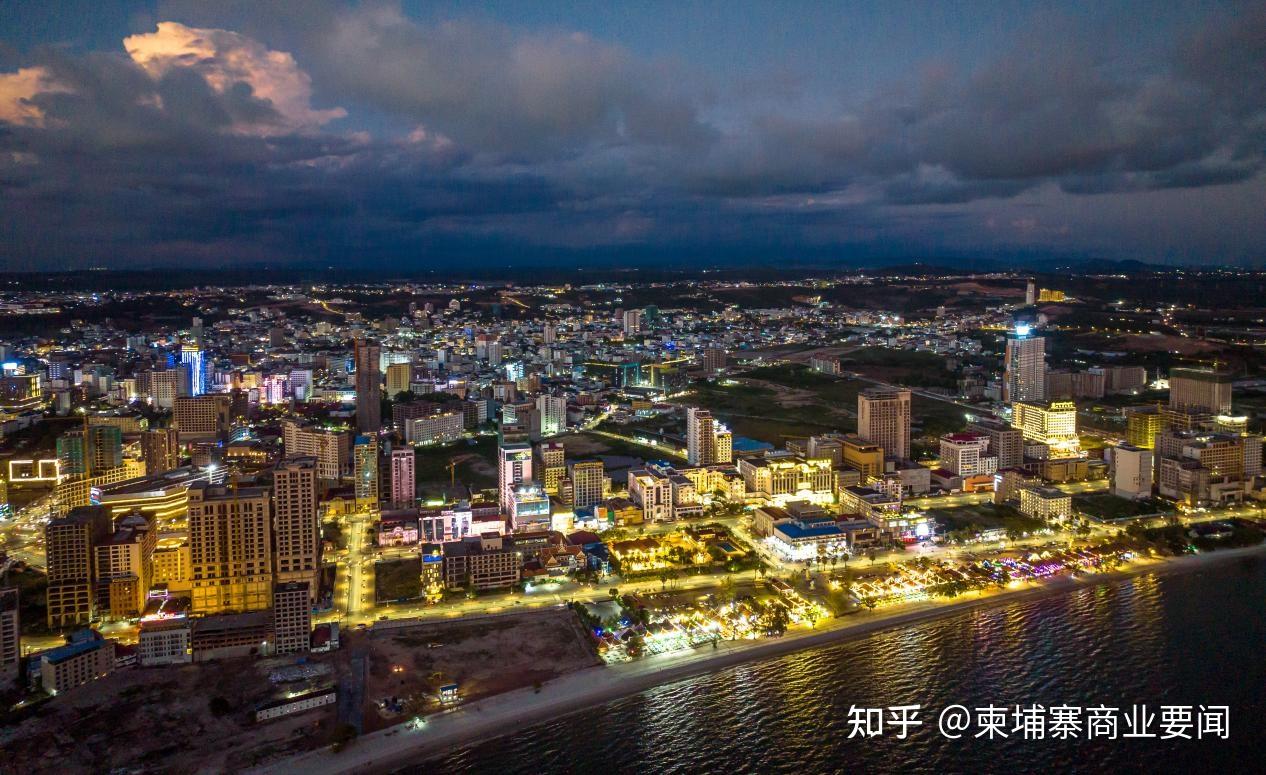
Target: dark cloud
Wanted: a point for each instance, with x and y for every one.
(323, 131)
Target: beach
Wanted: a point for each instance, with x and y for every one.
(513, 711)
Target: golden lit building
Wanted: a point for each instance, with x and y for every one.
(201, 418)
(296, 523)
(553, 465)
(331, 448)
(399, 376)
(868, 458)
(787, 477)
(587, 482)
(230, 548)
(171, 561)
(21, 393)
(1053, 424)
(1046, 503)
(1142, 425)
(124, 567)
(883, 418)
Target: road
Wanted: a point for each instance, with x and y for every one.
(662, 449)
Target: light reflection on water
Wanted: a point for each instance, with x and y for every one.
(1184, 638)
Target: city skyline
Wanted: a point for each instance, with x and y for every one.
(410, 136)
(512, 386)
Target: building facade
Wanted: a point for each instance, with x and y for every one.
(883, 418)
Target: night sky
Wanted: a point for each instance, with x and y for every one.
(453, 134)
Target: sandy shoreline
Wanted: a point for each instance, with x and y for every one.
(511, 712)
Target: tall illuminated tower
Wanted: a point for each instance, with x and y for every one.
(1024, 368)
(192, 357)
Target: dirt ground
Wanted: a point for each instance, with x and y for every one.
(161, 719)
(200, 718)
(1180, 344)
(483, 657)
(793, 398)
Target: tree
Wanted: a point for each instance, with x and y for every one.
(613, 592)
(760, 568)
(219, 706)
(343, 735)
(778, 620)
(726, 593)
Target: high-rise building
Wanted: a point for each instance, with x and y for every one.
(883, 418)
(1132, 469)
(230, 548)
(724, 440)
(586, 480)
(632, 322)
(365, 472)
(172, 565)
(104, 450)
(1024, 366)
(1030, 293)
(399, 378)
(1197, 467)
(966, 454)
(292, 617)
(552, 460)
(331, 448)
(368, 387)
(124, 568)
(1200, 390)
(68, 544)
(201, 418)
(404, 485)
(1142, 425)
(553, 411)
(708, 441)
(10, 636)
(191, 358)
(165, 387)
(1005, 442)
(514, 465)
(105, 444)
(714, 359)
(160, 448)
(296, 521)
